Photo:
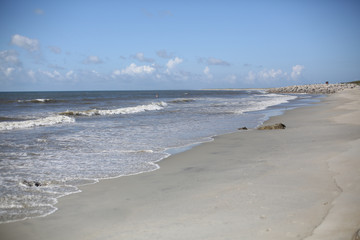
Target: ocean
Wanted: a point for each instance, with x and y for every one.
(53, 142)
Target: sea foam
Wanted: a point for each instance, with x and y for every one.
(270, 100)
(46, 121)
(126, 110)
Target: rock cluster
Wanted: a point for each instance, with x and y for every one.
(314, 88)
(271, 127)
(32, 183)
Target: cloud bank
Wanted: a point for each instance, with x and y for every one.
(168, 72)
(275, 75)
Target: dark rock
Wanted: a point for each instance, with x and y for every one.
(27, 183)
(270, 127)
(243, 128)
(31, 183)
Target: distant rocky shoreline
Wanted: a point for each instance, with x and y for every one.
(314, 88)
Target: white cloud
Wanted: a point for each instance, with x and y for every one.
(173, 62)
(31, 74)
(95, 73)
(140, 56)
(9, 57)
(116, 72)
(9, 62)
(266, 76)
(29, 44)
(55, 49)
(207, 72)
(54, 74)
(70, 74)
(8, 71)
(133, 70)
(45, 75)
(92, 60)
(273, 75)
(296, 71)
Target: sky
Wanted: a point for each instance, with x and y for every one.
(154, 45)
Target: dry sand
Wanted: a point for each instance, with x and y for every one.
(299, 183)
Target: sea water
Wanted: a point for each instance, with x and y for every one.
(53, 142)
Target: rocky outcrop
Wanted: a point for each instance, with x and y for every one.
(314, 88)
(271, 127)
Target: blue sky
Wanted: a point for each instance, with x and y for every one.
(129, 45)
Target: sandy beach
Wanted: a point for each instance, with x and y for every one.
(298, 183)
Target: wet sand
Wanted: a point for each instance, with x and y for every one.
(298, 183)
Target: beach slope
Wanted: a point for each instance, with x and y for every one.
(301, 182)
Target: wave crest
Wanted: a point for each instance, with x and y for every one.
(126, 110)
(46, 121)
(38, 100)
(264, 104)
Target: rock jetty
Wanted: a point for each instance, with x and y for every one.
(314, 88)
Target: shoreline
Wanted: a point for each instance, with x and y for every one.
(33, 183)
(249, 185)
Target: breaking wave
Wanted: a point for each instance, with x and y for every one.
(126, 110)
(66, 117)
(46, 121)
(38, 100)
(258, 105)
